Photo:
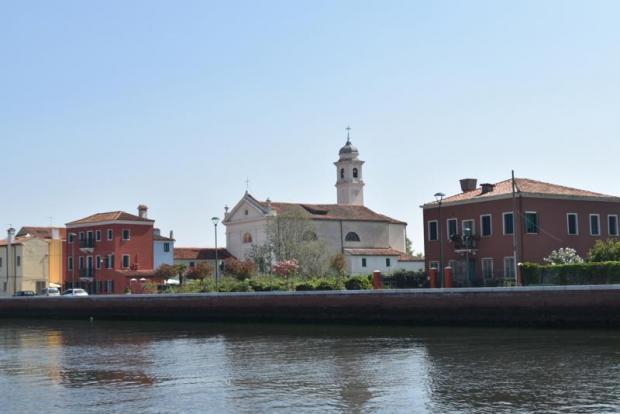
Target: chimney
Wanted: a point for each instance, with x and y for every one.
(468, 184)
(11, 235)
(171, 234)
(487, 188)
(55, 233)
(142, 211)
(156, 232)
(268, 206)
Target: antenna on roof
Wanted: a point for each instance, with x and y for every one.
(51, 220)
(247, 185)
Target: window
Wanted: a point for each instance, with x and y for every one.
(109, 261)
(531, 222)
(81, 262)
(19, 260)
(70, 239)
(89, 235)
(363, 262)
(247, 238)
(191, 264)
(452, 228)
(487, 268)
(509, 267)
(352, 237)
(110, 234)
(0, 261)
(434, 265)
(432, 230)
(486, 229)
(595, 227)
(125, 261)
(355, 173)
(342, 173)
(612, 225)
(572, 224)
(166, 247)
(508, 223)
(70, 263)
(468, 227)
(98, 262)
(4, 286)
(388, 262)
(247, 212)
(98, 235)
(81, 235)
(125, 234)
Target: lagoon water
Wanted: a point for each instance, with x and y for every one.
(129, 367)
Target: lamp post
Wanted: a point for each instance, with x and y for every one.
(72, 237)
(215, 221)
(439, 197)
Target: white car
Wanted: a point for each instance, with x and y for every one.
(75, 292)
(50, 291)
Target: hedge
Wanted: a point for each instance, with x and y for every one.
(588, 273)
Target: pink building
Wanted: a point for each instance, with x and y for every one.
(483, 227)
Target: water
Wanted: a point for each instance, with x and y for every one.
(122, 367)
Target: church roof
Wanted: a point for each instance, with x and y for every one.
(328, 211)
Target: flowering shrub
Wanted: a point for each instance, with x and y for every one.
(564, 255)
(240, 269)
(286, 268)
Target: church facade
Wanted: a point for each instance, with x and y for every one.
(368, 240)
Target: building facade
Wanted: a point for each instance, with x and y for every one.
(105, 251)
(193, 256)
(163, 249)
(486, 231)
(369, 240)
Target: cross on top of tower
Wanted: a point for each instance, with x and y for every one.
(348, 128)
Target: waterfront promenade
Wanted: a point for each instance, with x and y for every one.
(562, 306)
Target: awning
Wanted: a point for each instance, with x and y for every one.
(54, 285)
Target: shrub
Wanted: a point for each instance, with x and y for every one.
(605, 251)
(239, 269)
(589, 273)
(563, 255)
(200, 271)
(358, 283)
(405, 279)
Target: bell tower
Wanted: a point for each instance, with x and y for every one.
(349, 183)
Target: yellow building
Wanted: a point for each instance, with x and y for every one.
(31, 260)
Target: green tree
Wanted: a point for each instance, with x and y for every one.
(201, 271)
(408, 246)
(605, 251)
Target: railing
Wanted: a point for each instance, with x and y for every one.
(87, 272)
(464, 243)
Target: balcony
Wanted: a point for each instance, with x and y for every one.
(87, 244)
(87, 274)
(464, 244)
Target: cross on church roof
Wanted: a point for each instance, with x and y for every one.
(348, 128)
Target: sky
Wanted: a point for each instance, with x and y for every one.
(105, 105)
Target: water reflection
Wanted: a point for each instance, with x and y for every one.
(169, 367)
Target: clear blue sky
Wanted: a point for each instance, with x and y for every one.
(108, 104)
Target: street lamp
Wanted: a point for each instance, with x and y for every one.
(439, 197)
(215, 221)
(72, 237)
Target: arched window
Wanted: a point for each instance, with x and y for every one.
(310, 236)
(342, 173)
(247, 238)
(352, 237)
(354, 172)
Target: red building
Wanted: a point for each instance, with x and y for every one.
(107, 252)
(483, 229)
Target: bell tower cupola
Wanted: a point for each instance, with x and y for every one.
(349, 182)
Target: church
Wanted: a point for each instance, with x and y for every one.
(369, 241)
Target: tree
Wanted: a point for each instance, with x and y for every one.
(240, 269)
(605, 251)
(200, 271)
(291, 236)
(408, 246)
(564, 255)
(338, 264)
(165, 271)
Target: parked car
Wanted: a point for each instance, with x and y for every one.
(75, 292)
(50, 291)
(25, 293)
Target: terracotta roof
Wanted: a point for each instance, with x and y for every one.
(329, 211)
(408, 258)
(18, 240)
(373, 252)
(159, 237)
(524, 186)
(111, 216)
(41, 232)
(200, 253)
